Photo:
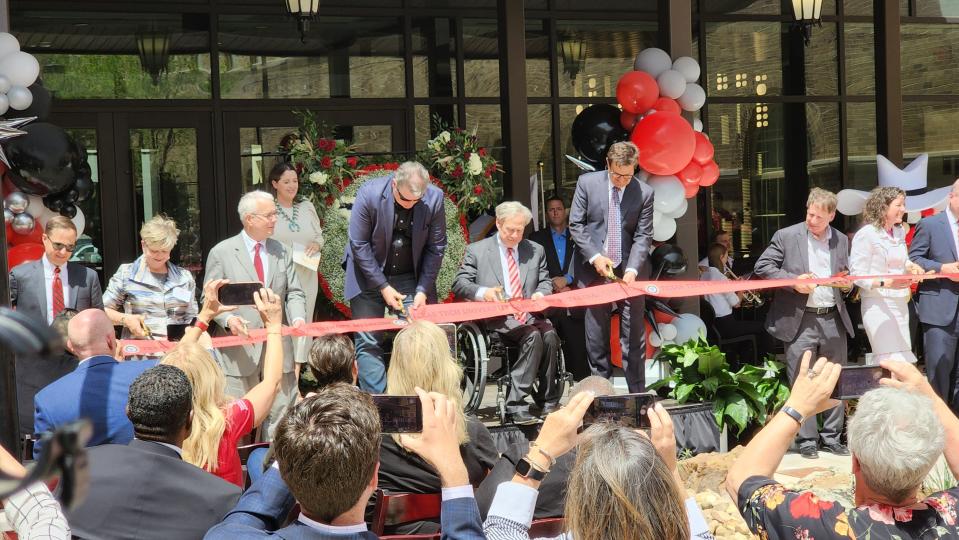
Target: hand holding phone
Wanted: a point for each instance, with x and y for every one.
(239, 294)
(854, 381)
(628, 410)
(399, 414)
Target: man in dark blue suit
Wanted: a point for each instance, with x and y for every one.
(396, 242)
(96, 390)
(327, 460)
(935, 247)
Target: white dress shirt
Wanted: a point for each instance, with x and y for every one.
(48, 285)
(820, 265)
(251, 250)
(722, 303)
(875, 252)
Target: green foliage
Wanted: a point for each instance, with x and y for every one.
(700, 373)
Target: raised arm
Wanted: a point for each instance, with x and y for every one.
(262, 395)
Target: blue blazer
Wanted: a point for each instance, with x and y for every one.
(97, 390)
(933, 245)
(371, 232)
(265, 506)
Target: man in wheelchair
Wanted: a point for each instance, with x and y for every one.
(507, 266)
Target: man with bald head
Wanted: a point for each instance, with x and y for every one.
(97, 390)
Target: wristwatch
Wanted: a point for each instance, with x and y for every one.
(526, 469)
(794, 414)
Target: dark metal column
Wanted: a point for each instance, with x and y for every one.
(512, 77)
(888, 80)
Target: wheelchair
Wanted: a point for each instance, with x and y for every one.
(474, 348)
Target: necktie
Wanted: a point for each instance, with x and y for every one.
(57, 292)
(258, 263)
(614, 230)
(516, 289)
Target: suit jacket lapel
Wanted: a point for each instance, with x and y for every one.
(42, 289)
(803, 245)
(948, 234)
(834, 251)
(604, 202)
(243, 259)
(493, 254)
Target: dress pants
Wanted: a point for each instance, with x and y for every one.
(633, 344)
(824, 335)
(538, 347)
(571, 326)
(371, 370)
(940, 344)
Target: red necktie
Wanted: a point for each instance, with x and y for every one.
(57, 292)
(258, 264)
(516, 289)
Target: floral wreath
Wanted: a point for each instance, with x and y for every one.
(336, 234)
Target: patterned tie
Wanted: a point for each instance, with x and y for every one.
(57, 292)
(614, 230)
(258, 264)
(516, 289)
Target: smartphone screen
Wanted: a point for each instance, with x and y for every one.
(239, 294)
(450, 330)
(628, 410)
(854, 381)
(399, 414)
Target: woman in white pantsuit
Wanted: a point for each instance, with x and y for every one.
(297, 223)
(880, 248)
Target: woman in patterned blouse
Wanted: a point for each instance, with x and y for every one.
(896, 436)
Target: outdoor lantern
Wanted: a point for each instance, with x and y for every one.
(573, 50)
(806, 13)
(303, 11)
(154, 49)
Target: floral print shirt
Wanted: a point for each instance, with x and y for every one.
(773, 512)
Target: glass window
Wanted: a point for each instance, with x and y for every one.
(822, 62)
(931, 128)
(423, 117)
(822, 127)
(538, 56)
(118, 55)
(930, 63)
(644, 6)
(259, 152)
(858, 7)
(540, 141)
(937, 8)
(262, 57)
(743, 59)
(434, 57)
(611, 47)
(861, 144)
(771, 7)
(860, 59)
(481, 57)
(486, 120)
(91, 240)
(568, 173)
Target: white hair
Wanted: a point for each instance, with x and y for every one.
(414, 177)
(247, 204)
(897, 438)
(509, 209)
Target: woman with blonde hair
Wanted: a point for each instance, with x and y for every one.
(421, 358)
(218, 421)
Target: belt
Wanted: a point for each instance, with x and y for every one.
(820, 310)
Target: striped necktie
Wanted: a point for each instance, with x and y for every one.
(516, 289)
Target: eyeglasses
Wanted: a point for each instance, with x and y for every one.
(57, 246)
(618, 176)
(269, 217)
(402, 198)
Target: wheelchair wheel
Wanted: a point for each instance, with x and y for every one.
(473, 357)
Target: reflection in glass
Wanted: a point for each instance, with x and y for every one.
(771, 7)
(937, 8)
(165, 180)
(486, 120)
(481, 57)
(422, 115)
(743, 59)
(434, 57)
(822, 62)
(931, 128)
(90, 242)
(540, 141)
(861, 144)
(610, 49)
(644, 6)
(254, 143)
(537, 58)
(858, 7)
(822, 128)
(930, 65)
(860, 59)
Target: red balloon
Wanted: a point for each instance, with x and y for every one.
(628, 120)
(691, 173)
(636, 91)
(664, 104)
(704, 149)
(666, 143)
(35, 236)
(710, 174)
(691, 189)
(23, 253)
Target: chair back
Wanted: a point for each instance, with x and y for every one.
(708, 315)
(398, 508)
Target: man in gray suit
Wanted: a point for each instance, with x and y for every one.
(807, 317)
(934, 247)
(253, 256)
(507, 266)
(611, 221)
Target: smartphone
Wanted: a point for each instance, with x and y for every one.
(239, 294)
(854, 381)
(174, 332)
(450, 330)
(399, 414)
(628, 410)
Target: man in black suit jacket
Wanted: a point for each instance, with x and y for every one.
(560, 251)
(145, 490)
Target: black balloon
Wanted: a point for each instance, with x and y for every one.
(46, 160)
(595, 130)
(42, 100)
(69, 211)
(54, 203)
(84, 186)
(667, 260)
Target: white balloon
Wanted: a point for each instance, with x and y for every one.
(672, 84)
(21, 68)
(4, 85)
(679, 212)
(668, 193)
(697, 125)
(689, 326)
(654, 340)
(643, 176)
(39, 210)
(19, 98)
(653, 61)
(850, 202)
(666, 229)
(8, 44)
(79, 221)
(667, 331)
(657, 217)
(689, 67)
(693, 98)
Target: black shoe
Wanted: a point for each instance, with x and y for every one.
(523, 418)
(550, 408)
(836, 448)
(809, 451)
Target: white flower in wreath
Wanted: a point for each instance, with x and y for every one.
(345, 213)
(335, 205)
(347, 200)
(475, 165)
(440, 141)
(319, 177)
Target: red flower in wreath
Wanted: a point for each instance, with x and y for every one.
(453, 197)
(329, 200)
(326, 145)
(482, 152)
(347, 181)
(326, 162)
(488, 173)
(457, 172)
(807, 505)
(299, 168)
(466, 155)
(352, 161)
(478, 189)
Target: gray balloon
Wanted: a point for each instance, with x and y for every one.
(693, 98)
(17, 202)
(653, 61)
(23, 223)
(689, 67)
(7, 216)
(672, 84)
